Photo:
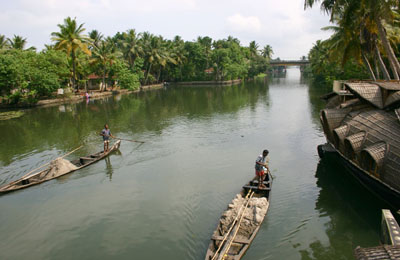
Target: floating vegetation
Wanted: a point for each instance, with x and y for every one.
(10, 115)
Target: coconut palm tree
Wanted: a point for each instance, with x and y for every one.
(3, 42)
(71, 40)
(17, 42)
(104, 54)
(96, 38)
(253, 46)
(371, 13)
(131, 47)
(267, 52)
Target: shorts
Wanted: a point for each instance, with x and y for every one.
(260, 173)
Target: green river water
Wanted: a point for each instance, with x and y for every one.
(163, 199)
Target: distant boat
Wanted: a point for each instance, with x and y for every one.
(57, 168)
(240, 223)
(362, 125)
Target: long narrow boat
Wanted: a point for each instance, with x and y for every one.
(240, 223)
(57, 168)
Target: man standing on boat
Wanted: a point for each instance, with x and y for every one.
(262, 168)
(106, 133)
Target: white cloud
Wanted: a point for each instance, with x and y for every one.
(284, 24)
(240, 23)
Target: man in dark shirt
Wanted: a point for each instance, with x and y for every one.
(106, 133)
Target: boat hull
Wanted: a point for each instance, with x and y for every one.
(376, 186)
(35, 179)
(215, 249)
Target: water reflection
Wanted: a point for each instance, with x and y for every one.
(109, 169)
(348, 222)
(315, 91)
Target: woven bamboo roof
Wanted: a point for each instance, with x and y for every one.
(367, 91)
(379, 126)
(384, 252)
(377, 151)
(389, 85)
(393, 98)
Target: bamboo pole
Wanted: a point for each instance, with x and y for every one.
(130, 140)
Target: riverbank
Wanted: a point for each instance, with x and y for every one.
(78, 97)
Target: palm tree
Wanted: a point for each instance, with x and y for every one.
(267, 52)
(371, 13)
(3, 42)
(96, 37)
(105, 55)
(17, 42)
(71, 40)
(253, 46)
(206, 42)
(131, 46)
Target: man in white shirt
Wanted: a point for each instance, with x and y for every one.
(262, 168)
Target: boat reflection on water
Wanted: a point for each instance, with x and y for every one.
(109, 169)
(350, 213)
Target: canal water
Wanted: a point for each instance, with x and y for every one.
(163, 199)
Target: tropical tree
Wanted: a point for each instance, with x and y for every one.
(17, 42)
(104, 55)
(267, 52)
(131, 46)
(71, 40)
(253, 46)
(371, 15)
(3, 42)
(96, 38)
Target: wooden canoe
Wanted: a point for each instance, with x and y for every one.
(237, 229)
(47, 174)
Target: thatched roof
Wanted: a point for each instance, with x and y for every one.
(392, 99)
(371, 137)
(389, 85)
(384, 252)
(367, 91)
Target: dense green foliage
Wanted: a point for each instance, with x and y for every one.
(325, 70)
(26, 75)
(364, 41)
(127, 59)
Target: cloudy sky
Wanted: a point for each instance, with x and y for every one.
(284, 24)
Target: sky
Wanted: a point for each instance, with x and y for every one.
(283, 24)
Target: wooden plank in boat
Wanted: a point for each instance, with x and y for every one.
(237, 240)
(264, 182)
(88, 158)
(255, 187)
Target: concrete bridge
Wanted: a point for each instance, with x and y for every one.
(284, 63)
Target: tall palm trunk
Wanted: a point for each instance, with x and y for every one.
(159, 74)
(147, 74)
(104, 79)
(394, 63)
(376, 66)
(368, 65)
(382, 65)
(73, 71)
